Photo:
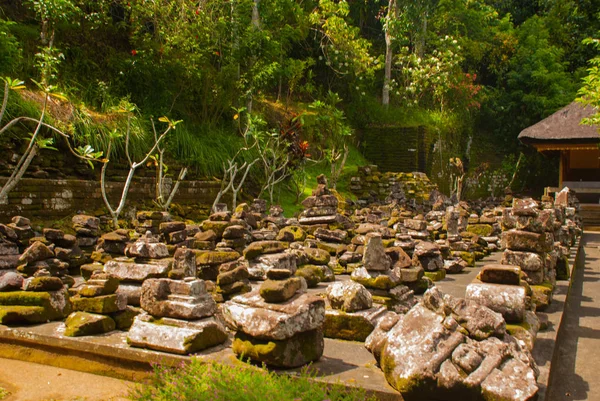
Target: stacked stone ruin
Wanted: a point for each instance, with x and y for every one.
(94, 304)
(350, 313)
(145, 258)
(377, 275)
(279, 324)
(179, 317)
(501, 288)
(529, 244)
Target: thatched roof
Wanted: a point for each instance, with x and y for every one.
(564, 125)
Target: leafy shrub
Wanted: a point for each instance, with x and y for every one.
(211, 381)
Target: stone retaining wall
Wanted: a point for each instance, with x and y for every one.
(51, 199)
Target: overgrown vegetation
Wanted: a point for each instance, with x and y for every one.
(317, 72)
(212, 381)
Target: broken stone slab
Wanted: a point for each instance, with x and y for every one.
(184, 259)
(352, 326)
(125, 269)
(256, 249)
(103, 304)
(132, 292)
(11, 281)
(259, 267)
(298, 350)
(517, 240)
(143, 248)
(251, 314)
(500, 274)
(454, 266)
(416, 225)
(87, 324)
(375, 258)
(511, 301)
(326, 235)
(276, 291)
(349, 296)
(52, 305)
(410, 274)
(429, 262)
(175, 336)
(317, 219)
(428, 354)
(177, 299)
(36, 252)
(100, 283)
(321, 201)
(527, 261)
(375, 279)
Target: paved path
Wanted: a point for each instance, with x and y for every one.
(576, 372)
(28, 381)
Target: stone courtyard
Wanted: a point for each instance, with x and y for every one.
(409, 295)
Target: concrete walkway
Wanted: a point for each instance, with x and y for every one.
(27, 381)
(575, 372)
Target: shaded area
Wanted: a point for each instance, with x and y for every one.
(575, 369)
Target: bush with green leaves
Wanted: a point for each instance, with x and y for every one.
(211, 381)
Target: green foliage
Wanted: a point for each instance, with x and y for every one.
(589, 93)
(10, 51)
(199, 380)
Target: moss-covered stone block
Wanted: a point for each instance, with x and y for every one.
(468, 257)
(346, 326)
(124, 319)
(215, 257)
(382, 282)
(56, 304)
(312, 274)
(10, 315)
(276, 291)
(293, 352)
(103, 304)
(436, 275)
(87, 324)
(217, 226)
(541, 296)
(258, 248)
(291, 234)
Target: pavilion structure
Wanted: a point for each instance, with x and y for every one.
(578, 148)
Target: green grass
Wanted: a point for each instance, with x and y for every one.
(215, 382)
(287, 196)
(3, 393)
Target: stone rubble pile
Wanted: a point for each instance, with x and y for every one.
(93, 303)
(350, 314)
(145, 258)
(376, 274)
(179, 317)
(448, 348)
(279, 324)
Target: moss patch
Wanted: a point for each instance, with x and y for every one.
(436, 275)
(85, 324)
(347, 326)
(23, 315)
(102, 304)
(382, 282)
(298, 350)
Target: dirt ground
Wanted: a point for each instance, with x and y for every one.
(26, 381)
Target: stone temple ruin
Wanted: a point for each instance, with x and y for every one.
(272, 289)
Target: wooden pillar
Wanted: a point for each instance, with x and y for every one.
(561, 167)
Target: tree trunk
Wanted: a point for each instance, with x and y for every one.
(392, 13)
